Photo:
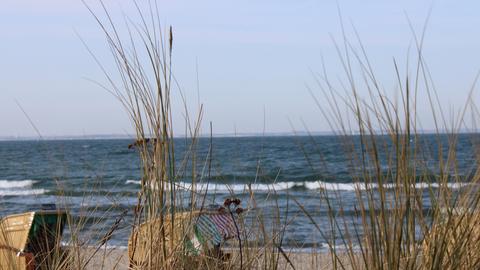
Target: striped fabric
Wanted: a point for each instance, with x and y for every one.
(225, 225)
(211, 230)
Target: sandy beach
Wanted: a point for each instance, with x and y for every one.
(118, 259)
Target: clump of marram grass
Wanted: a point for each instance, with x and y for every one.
(389, 160)
(145, 92)
(144, 62)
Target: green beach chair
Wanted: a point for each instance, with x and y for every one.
(31, 240)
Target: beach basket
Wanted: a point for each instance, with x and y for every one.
(451, 233)
(28, 240)
(193, 233)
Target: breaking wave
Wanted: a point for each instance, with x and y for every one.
(312, 185)
(16, 192)
(4, 184)
(19, 188)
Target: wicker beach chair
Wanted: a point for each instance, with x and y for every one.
(28, 240)
(193, 234)
(452, 232)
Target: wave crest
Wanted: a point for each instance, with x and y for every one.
(28, 192)
(5, 184)
(19, 188)
(312, 185)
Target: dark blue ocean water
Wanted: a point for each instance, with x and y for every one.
(100, 178)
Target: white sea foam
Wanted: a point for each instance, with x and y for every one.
(312, 185)
(21, 192)
(19, 188)
(9, 184)
(363, 186)
(138, 182)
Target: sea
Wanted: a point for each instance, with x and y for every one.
(97, 180)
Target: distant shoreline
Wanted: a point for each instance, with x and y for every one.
(218, 135)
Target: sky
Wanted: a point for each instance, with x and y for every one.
(255, 60)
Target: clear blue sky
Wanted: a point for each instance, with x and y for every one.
(253, 56)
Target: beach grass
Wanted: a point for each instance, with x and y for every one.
(381, 139)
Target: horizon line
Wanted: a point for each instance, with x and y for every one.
(215, 135)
